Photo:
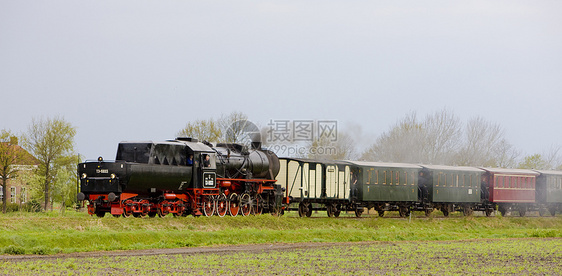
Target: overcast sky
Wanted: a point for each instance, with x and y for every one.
(140, 70)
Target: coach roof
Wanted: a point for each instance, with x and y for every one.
(385, 165)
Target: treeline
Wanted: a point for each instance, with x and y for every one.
(437, 138)
(442, 138)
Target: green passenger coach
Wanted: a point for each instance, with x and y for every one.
(451, 188)
(549, 192)
(387, 186)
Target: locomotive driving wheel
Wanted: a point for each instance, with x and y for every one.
(245, 204)
(257, 208)
(209, 205)
(234, 204)
(222, 205)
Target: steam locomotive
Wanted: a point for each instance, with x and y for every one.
(182, 177)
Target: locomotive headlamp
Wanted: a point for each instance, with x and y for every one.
(112, 176)
(83, 176)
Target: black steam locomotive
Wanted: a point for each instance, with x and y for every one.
(182, 177)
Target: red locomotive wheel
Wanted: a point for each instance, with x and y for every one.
(222, 205)
(245, 204)
(209, 206)
(163, 209)
(234, 204)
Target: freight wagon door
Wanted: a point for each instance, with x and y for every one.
(331, 181)
(294, 176)
(343, 187)
(305, 180)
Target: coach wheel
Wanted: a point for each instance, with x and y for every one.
(381, 213)
(337, 211)
(330, 210)
(209, 206)
(428, 212)
(234, 204)
(503, 210)
(308, 210)
(467, 211)
(222, 205)
(358, 212)
(552, 211)
(489, 211)
(522, 211)
(100, 214)
(542, 212)
(403, 211)
(302, 209)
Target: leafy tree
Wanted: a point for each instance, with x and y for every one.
(534, 161)
(207, 130)
(547, 161)
(64, 186)
(50, 140)
(10, 155)
(229, 128)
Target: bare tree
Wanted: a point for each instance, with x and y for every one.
(236, 127)
(49, 140)
(485, 145)
(432, 140)
(10, 155)
(323, 148)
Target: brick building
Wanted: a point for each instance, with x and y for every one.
(18, 188)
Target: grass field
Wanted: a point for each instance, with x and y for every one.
(488, 257)
(51, 233)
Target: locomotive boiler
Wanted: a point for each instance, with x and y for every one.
(182, 177)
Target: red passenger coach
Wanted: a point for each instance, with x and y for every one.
(511, 188)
